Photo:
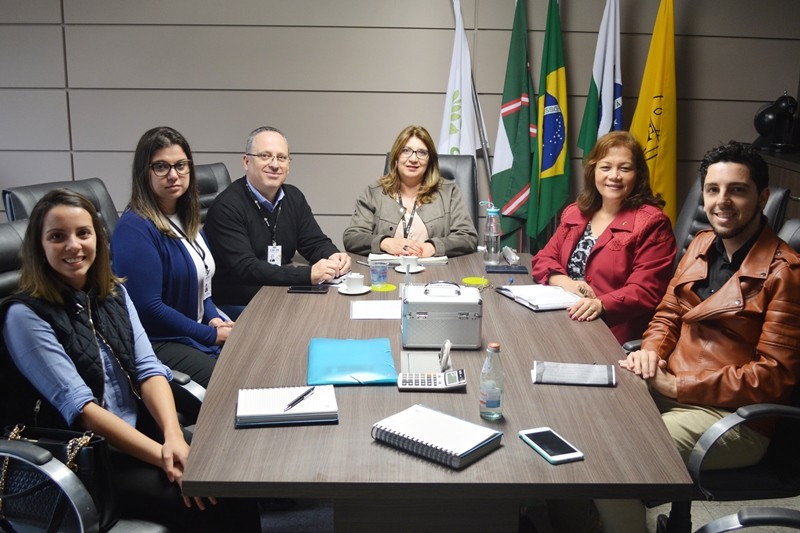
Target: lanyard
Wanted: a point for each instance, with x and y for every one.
(272, 229)
(407, 226)
(192, 243)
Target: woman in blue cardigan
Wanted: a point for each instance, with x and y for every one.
(158, 246)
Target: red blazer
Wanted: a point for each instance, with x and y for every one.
(629, 267)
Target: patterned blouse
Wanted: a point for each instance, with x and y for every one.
(577, 261)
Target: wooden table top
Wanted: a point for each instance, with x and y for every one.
(628, 452)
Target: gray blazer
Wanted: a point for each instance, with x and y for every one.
(376, 217)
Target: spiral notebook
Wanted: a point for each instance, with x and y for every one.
(268, 407)
(437, 436)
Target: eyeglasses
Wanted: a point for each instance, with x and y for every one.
(421, 154)
(267, 157)
(162, 168)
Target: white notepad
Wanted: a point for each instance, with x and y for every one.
(574, 374)
(539, 297)
(437, 436)
(266, 407)
(395, 259)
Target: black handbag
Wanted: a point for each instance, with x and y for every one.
(30, 496)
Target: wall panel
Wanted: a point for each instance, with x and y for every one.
(350, 13)
(31, 56)
(33, 119)
(330, 123)
(241, 58)
(30, 11)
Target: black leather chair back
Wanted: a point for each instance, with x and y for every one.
(19, 201)
(692, 218)
(11, 236)
(211, 180)
(463, 170)
(790, 232)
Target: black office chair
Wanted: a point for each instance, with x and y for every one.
(463, 170)
(754, 517)
(790, 232)
(776, 476)
(212, 179)
(19, 201)
(692, 218)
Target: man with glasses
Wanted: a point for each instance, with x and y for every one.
(256, 225)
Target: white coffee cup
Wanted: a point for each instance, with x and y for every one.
(354, 281)
(409, 262)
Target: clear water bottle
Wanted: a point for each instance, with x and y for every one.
(492, 378)
(491, 256)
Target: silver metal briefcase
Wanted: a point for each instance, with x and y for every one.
(438, 311)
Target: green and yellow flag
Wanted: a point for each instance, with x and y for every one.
(552, 145)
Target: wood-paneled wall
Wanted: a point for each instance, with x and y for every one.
(81, 80)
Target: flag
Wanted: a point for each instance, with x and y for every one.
(603, 111)
(459, 133)
(552, 140)
(515, 147)
(655, 121)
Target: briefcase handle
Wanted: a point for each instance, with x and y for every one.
(444, 283)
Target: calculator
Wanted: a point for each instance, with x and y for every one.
(432, 381)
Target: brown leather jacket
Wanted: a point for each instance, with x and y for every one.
(742, 344)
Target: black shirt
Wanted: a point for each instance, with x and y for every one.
(720, 269)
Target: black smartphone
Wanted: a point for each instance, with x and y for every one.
(506, 269)
(308, 289)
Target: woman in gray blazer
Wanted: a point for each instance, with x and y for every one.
(411, 210)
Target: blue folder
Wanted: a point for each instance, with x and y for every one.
(350, 362)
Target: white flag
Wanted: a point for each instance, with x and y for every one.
(604, 103)
(459, 133)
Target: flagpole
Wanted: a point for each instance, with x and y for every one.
(482, 133)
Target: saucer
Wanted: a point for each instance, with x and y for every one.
(412, 270)
(344, 290)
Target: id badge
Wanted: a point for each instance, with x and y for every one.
(274, 254)
(207, 286)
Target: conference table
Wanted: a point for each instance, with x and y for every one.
(628, 452)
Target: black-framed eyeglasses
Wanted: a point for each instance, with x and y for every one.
(162, 168)
(421, 154)
(266, 157)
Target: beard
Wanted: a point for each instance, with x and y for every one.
(731, 233)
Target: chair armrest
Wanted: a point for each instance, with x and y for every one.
(71, 486)
(189, 396)
(179, 377)
(752, 517)
(25, 451)
(717, 430)
(632, 346)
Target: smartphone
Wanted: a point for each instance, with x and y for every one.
(550, 445)
(308, 289)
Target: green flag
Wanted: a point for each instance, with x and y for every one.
(552, 141)
(515, 148)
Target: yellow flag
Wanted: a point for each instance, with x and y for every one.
(655, 121)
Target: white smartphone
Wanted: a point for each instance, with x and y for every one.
(551, 445)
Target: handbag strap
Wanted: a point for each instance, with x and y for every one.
(4, 470)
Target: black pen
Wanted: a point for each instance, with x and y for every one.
(299, 399)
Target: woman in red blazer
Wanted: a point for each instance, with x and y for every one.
(614, 247)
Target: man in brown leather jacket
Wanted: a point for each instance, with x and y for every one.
(727, 332)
